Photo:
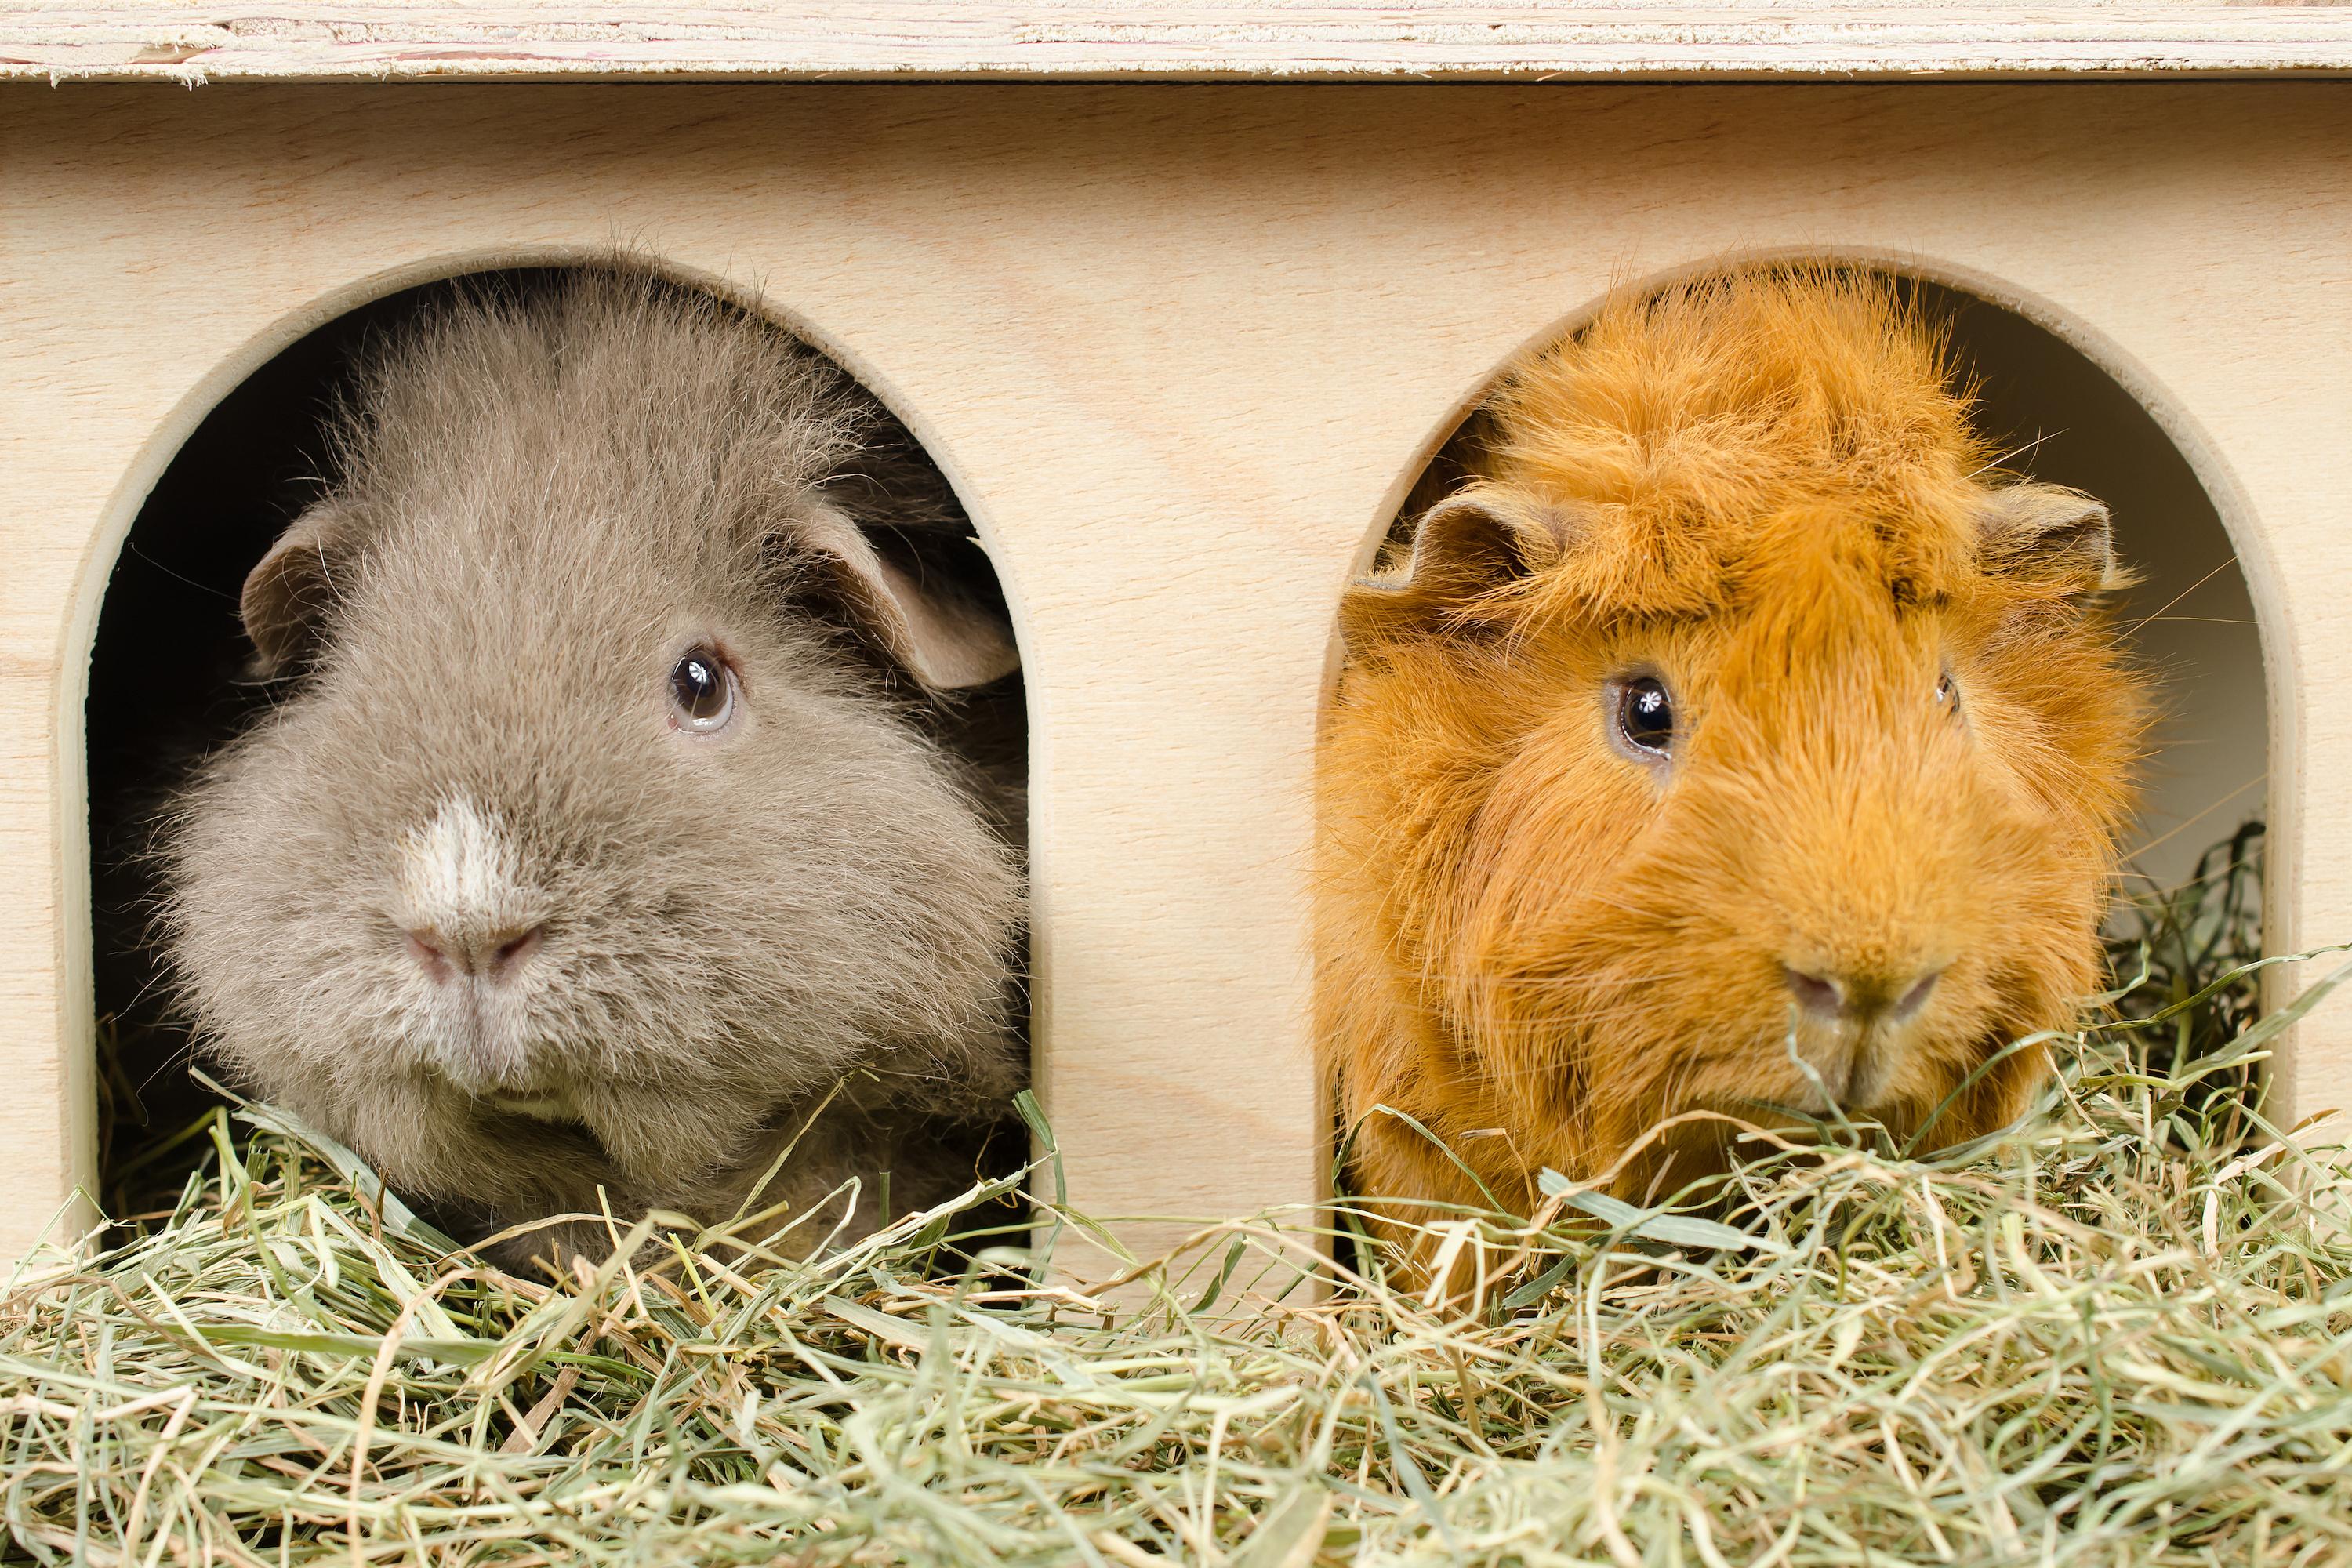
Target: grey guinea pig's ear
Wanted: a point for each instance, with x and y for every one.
(289, 591)
(1464, 549)
(2050, 533)
(947, 639)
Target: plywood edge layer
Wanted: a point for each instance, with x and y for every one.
(190, 44)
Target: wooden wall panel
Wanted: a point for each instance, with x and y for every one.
(1180, 348)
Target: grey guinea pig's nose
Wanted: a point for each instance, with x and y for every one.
(490, 954)
(1859, 997)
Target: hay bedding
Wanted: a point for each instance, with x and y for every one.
(2119, 1333)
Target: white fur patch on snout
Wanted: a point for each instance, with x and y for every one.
(458, 869)
(461, 882)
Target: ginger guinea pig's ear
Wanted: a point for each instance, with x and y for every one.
(936, 629)
(1464, 549)
(2048, 533)
(288, 593)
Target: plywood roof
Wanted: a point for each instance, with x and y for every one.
(1294, 39)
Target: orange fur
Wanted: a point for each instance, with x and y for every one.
(1764, 490)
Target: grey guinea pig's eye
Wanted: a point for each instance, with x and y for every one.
(1646, 715)
(702, 692)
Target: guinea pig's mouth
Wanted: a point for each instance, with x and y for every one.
(1852, 1071)
(1848, 1070)
(540, 1105)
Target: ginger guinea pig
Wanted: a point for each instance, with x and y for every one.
(1735, 738)
(597, 832)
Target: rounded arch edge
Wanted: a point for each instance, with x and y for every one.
(2076, 329)
(267, 337)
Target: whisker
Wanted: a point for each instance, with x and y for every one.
(2186, 823)
(2184, 593)
(2002, 460)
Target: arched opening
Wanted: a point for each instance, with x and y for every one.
(170, 681)
(1612, 931)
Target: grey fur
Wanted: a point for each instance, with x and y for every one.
(542, 504)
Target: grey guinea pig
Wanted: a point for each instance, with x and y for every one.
(600, 829)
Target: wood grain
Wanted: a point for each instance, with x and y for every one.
(1181, 349)
(1471, 39)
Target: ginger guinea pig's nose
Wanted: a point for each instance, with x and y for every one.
(1860, 997)
(492, 955)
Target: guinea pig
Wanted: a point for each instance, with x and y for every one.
(598, 834)
(1735, 745)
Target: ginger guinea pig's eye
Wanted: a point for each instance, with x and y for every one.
(1645, 716)
(1948, 694)
(702, 691)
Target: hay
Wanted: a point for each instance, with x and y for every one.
(2119, 1333)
